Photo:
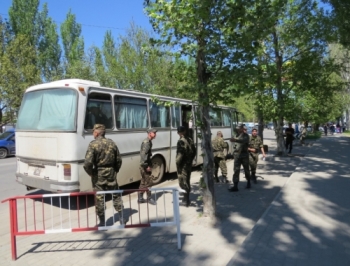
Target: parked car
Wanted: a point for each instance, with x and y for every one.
(7, 144)
(270, 126)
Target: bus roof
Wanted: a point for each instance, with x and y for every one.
(65, 82)
(96, 85)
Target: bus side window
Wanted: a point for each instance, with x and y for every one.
(131, 112)
(99, 111)
(160, 115)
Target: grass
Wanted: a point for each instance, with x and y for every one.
(314, 135)
(347, 132)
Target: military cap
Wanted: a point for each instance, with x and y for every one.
(99, 127)
(181, 129)
(151, 130)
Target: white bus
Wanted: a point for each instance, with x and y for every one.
(54, 129)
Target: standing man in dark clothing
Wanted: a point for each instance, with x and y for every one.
(241, 158)
(255, 144)
(289, 137)
(102, 163)
(185, 154)
(219, 158)
(146, 166)
(325, 129)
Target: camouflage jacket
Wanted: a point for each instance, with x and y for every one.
(146, 153)
(255, 143)
(242, 143)
(102, 154)
(185, 151)
(218, 147)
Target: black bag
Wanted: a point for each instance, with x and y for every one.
(266, 148)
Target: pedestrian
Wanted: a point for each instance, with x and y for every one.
(255, 145)
(241, 158)
(219, 158)
(303, 136)
(146, 166)
(325, 129)
(185, 154)
(289, 138)
(102, 163)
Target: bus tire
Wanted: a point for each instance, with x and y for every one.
(157, 169)
(3, 153)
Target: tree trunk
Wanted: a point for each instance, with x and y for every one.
(280, 97)
(260, 123)
(209, 200)
(347, 119)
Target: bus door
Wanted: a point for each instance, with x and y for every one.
(187, 120)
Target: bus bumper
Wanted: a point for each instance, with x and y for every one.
(49, 185)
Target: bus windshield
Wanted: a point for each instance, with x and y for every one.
(48, 110)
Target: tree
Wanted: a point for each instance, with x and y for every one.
(17, 72)
(218, 36)
(292, 59)
(49, 49)
(341, 19)
(24, 19)
(73, 47)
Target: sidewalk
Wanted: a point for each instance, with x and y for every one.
(308, 222)
(203, 243)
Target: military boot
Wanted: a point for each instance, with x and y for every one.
(224, 179)
(149, 198)
(122, 220)
(188, 202)
(248, 184)
(185, 200)
(141, 199)
(102, 220)
(234, 188)
(253, 177)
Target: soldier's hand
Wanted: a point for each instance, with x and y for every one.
(232, 139)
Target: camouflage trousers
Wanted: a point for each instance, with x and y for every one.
(237, 168)
(220, 162)
(101, 199)
(146, 178)
(184, 176)
(253, 162)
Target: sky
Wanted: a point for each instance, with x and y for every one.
(95, 16)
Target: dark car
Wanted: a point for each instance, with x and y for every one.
(7, 144)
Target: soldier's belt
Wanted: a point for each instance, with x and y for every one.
(105, 166)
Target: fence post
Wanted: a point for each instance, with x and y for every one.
(13, 224)
(177, 217)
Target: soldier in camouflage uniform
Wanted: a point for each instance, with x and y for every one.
(255, 144)
(146, 166)
(102, 163)
(241, 158)
(219, 158)
(185, 154)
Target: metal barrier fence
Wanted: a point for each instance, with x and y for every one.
(75, 212)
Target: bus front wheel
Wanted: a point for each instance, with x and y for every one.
(157, 169)
(3, 153)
